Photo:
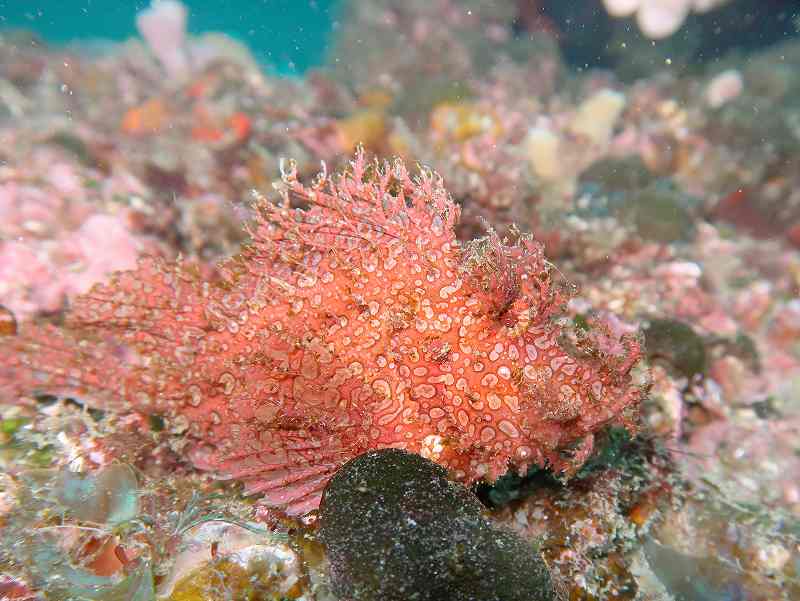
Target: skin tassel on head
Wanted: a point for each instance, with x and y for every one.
(352, 320)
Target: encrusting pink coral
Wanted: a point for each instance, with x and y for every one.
(353, 320)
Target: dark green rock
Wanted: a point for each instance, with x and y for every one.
(618, 175)
(654, 208)
(73, 145)
(396, 529)
(427, 95)
(676, 344)
(658, 213)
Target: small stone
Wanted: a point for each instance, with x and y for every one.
(395, 528)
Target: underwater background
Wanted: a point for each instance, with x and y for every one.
(289, 36)
(283, 35)
(376, 300)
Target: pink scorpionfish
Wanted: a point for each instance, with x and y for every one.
(357, 321)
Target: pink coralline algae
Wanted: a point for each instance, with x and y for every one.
(37, 276)
(353, 320)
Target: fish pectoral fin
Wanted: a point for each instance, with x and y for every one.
(288, 473)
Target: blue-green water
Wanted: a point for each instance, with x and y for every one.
(286, 35)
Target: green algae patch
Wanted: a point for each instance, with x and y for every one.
(10, 426)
